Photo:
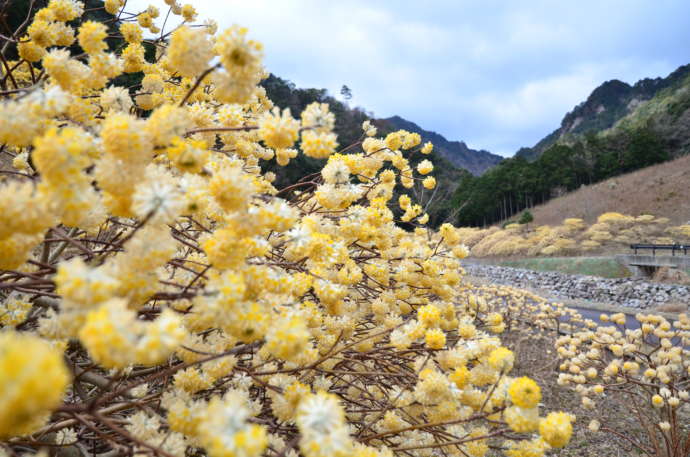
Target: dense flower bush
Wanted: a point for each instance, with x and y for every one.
(573, 236)
(160, 296)
(630, 372)
(644, 364)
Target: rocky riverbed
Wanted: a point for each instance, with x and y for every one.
(628, 292)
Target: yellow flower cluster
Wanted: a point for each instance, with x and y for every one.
(321, 422)
(224, 431)
(115, 339)
(241, 59)
(33, 379)
(14, 309)
(189, 52)
(237, 317)
(644, 366)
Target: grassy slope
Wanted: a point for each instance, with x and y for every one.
(661, 190)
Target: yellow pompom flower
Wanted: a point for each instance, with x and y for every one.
(238, 55)
(188, 12)
(394, 140)
(191, 380)
(429, 182)
(429, 315)
(14, 310)
(556, 429)
(317, 117)
(189, 51)
(61, 154)
(33, 379)
(524, 392)
(166, 123)
(153, 11)
(494, 319)
(435, 339)
(131, 32)
(225, 249)
(112, 6)
(225, 432)
(411, 139)
(64, 34)
(321, 422)
(231, 188)
(82, 285)
(522, 420)
(369, 129)
(287, 338)
(65, 10)
(189, 156)
(116, 99)
(133, 57)
(68, 73)
(91, 37)
(126, 138)
(106, 335)
(278, 131)
(532, 448)
(23, 210)
(502, 359)
(41, 33)
(116, 339)
(16, 249)
(460, 376)
(425, 167)
(318, 145)
(30, 51)
(159, 339)
(404, 201)
(145, 20)
(427, 148)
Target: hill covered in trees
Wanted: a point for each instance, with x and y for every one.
(619, 129)
(606, 105)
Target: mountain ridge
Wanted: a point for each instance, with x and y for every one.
(456, 152)
(607, 104)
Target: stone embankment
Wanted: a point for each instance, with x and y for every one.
(628, 292)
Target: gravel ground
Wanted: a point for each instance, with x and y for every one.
(625, 292)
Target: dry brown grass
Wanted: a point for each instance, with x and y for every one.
(661, 190)
(673, 307)
(5, 161)
(671, 275)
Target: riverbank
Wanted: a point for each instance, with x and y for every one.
(615, 292)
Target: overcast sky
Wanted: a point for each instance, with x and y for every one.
(497, 74)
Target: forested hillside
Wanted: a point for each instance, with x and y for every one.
(605, 106)
(517, 184)
(596, 141)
